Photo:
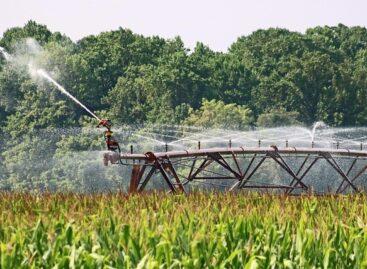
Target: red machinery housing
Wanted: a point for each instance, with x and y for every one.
(111, 142)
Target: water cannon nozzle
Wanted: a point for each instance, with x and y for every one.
(105, 123)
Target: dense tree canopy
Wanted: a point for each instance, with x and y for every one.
(320, 74)
(217, 114)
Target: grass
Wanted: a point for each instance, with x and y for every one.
(195, 231)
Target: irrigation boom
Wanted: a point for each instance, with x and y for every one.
(286, 170)
(236, 168)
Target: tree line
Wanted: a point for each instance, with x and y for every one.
(319, 75)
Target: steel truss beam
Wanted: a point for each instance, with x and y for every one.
(239, 165)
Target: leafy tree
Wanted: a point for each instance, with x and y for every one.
(39, 108)
(151, 93)
(128, 99)
(217, 114)
(10, 90)
(278, 117)
(31, 29)
(25, 147)
(100, 60)
(359, 81)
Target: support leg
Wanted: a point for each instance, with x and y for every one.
(136, 175)
(355, 177)
(244, 180)
(172, 170)
(349, 170)
(146, 180)
(337, 168)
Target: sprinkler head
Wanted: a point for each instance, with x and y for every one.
(105, 123)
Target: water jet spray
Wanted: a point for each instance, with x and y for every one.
(5, 54)
(44, 74)
(111, 142)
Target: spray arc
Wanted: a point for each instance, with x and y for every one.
(111, 142)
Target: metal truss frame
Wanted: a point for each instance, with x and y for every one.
(180, 168)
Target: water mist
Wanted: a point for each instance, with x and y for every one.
(46, 76)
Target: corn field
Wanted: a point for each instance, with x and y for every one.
(200, 230)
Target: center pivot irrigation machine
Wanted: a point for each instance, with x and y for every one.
(238, 166)
(289, 170)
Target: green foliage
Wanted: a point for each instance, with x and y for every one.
(217, 114)
(37, 109)
(100, 60)
(31, 29)
(313, 74)
(25, 162)
(197, 231)
(139, 79)
(10, 89)
(278, 117)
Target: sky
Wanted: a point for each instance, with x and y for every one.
(215, 23)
